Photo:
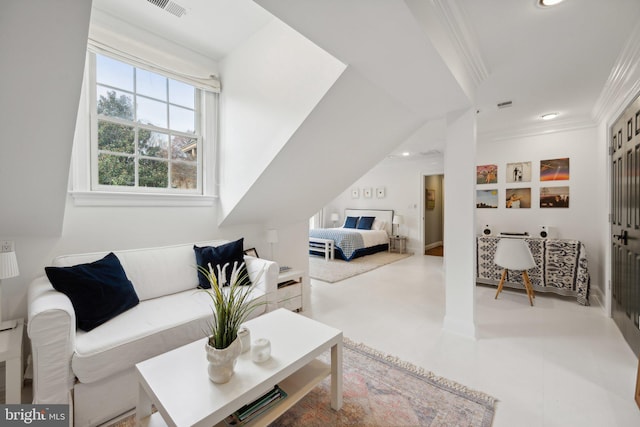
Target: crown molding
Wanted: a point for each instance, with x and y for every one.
(455, 19)
(621, 82)
(534, 130)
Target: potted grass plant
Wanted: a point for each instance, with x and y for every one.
(231, 305)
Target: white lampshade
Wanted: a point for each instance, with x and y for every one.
(272, 236)
(397, 219)
(335, 216)
(8, 265)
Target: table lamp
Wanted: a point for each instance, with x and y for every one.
(8, 269)
(397, 220)
(272, 238)
(335, 218)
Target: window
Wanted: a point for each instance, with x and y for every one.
(145, 130)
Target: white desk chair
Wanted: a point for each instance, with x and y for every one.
(514, 254)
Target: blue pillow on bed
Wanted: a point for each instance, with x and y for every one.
(366, 222)
(350, 222)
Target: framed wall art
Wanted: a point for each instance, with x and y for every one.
(355, 193)
(251, 252)
(554, 197)
(519, 172)
(380, 192)
(367, 192)
(518, 198)
(487, 174)
(555, 169)
(431, 199)
(487, 199)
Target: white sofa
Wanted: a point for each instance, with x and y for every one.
(94, 371)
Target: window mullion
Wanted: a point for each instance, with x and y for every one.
(119, 135)
(169, 143)
(136, 142)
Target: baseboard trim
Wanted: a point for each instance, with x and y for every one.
(433, 245)
(459, 327)
(596, 298)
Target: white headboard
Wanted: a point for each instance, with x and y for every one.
(380, 214)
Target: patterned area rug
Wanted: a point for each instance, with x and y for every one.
(336, 270)
(380, 390)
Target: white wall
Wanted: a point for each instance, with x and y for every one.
(588, 202)
(42, 49)
(583, 220)
(101, 228)
(402, 180)
(270, 85)
(94, 229)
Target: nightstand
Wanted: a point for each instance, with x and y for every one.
(398, 244)
(290, 290)
(11, 354)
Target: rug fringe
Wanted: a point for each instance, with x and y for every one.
(396, 361)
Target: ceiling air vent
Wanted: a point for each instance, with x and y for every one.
(505, 104)
(169, 6)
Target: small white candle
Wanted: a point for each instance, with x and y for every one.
(261, 350)
(245, 338)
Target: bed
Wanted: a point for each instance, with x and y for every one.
(350, 243)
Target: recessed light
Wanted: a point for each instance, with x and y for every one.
(406, 153)
(548, 3)
(549, 116)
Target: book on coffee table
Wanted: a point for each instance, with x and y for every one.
(254, 409)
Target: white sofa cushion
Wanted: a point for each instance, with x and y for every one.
(154, 272)
(144, 331)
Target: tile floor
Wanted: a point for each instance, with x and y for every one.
(555, 364)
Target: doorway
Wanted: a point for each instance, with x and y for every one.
(433, 215)
(625, 224)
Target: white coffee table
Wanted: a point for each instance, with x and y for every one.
(176, 382)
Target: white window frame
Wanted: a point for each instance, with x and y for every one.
(84, 161)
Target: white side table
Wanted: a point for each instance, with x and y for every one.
(290, 285)
(398, 244)
(11, 354)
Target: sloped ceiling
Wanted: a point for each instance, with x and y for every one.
(43, 47)
(349, 131)
(382, 98)
(384, 43)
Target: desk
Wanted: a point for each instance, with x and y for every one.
(561, 267)
(11, 354)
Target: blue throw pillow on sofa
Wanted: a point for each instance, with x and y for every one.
(366, 222)
(220, 255)
(98, 291)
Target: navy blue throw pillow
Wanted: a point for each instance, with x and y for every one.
(220, 255)
(98, 291)
(365, 222)
(351, 222)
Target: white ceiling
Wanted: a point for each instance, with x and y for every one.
(210, 27)
(544, 60)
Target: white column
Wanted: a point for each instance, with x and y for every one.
(459, 223)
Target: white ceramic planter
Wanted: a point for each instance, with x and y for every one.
(222, 362)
